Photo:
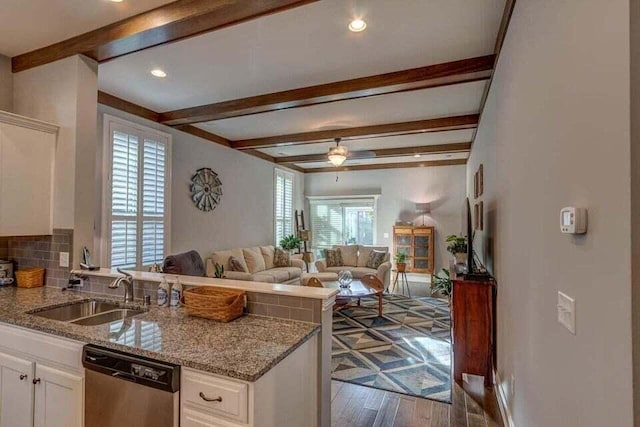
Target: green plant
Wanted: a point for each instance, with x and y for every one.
(456, 244)
(219, 271)
(290, 242)
(442, 282)
(401, 258)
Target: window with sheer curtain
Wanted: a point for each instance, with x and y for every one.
(342, 221)
(283, 205)
(137, 211)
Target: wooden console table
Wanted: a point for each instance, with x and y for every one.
(473, 310)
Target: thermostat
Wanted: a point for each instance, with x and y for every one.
(573, 220)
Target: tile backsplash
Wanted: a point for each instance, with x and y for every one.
(40, 251)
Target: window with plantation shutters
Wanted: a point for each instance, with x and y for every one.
(138, 185)
(283, 205)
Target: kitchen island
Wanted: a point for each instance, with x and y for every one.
(245, 358)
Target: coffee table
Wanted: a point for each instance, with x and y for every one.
(355, 291)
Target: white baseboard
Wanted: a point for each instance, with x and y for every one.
(502, 402)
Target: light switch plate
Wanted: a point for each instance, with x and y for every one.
(64, 259)
(567, 312)
(386, 235)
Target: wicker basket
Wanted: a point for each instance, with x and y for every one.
(30, 277)
(223, 305)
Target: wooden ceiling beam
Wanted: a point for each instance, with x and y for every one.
(165, 24)
(456, 72)
(457, 147)
(442, 124)
(399, 165)
(109, 100)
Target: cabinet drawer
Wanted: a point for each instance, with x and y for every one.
(197, 386)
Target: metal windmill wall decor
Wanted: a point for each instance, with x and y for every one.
(206, 189)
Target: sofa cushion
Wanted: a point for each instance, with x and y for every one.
(365, 251)
(292, 272)
(262, 277)
(375, 259)
(281, 258)
(254, 259)
(333, 257)
(268, 252)
(237, 265)
(222, 258)
(280, 274)
(349, 255)
(357, 272)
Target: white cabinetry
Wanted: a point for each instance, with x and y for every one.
(285, 396)
(58, 398)
(41, 380)
(27, 149)
(16, 391)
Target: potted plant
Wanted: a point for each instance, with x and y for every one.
(290, 243)
(401, 262)
(442, 283)
(457, 246)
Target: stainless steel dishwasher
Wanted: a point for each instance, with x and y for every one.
(124, 390)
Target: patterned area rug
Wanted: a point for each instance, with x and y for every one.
(407, 350)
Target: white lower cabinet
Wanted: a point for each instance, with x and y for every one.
(41, 380)
(58, 398)
(16, 391)
(284, 396)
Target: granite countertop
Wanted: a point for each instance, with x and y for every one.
(245, 348)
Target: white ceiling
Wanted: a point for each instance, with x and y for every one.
(301, 47)
(384, 160)
(393, 108)
(414, 140)
(304, 46)
(26, 25)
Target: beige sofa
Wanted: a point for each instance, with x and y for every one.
(354, 258)
(258, 263)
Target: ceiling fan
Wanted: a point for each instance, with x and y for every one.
(338, 154)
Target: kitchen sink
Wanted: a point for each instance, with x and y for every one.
(88, 313)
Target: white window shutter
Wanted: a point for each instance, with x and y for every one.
(139, 188)
(283, 205)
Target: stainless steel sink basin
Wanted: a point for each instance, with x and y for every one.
(77, 310)
(88, 313)
(108, 317)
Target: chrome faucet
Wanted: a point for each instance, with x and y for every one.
(128, 281)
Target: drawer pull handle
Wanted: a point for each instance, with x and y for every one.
(23, 377)
(208, 399)
(35, 381)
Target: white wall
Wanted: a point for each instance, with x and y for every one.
(555, 132)
(245, 214)
(400, 190)
(6, 84)
(65, 93)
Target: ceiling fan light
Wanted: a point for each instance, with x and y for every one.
(337, 155)
(337, 159)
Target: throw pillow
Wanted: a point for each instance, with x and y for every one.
(333, 257)
(281, 258)
(375, 259)
(236, 265)
(349, 255)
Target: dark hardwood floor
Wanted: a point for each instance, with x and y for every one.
(473, 406)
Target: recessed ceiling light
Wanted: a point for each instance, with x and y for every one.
(157, 72)
(115, 1)
(416, 155)
(357, 25)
